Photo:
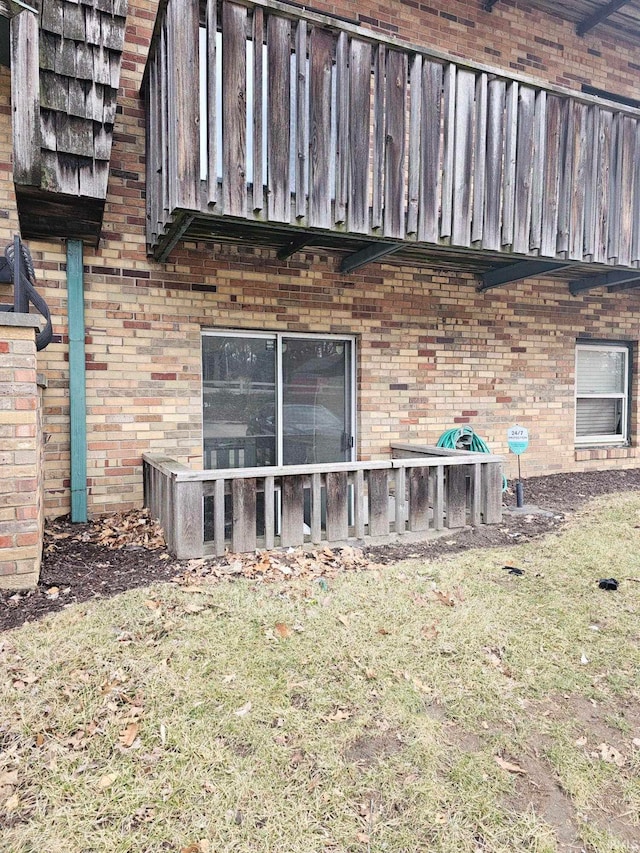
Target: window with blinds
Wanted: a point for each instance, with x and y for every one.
(602, 393)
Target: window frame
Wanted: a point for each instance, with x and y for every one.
(595, 440)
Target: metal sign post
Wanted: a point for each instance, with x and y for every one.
(518, 440)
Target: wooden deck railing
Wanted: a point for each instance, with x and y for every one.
(328, 126)
(206, 512)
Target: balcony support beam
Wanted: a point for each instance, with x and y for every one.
(607, 279)
(601, 15)
(371, 253)
(292, 247)
(516, 272)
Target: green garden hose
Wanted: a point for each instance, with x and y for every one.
(464, 438)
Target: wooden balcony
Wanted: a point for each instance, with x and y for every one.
(281, 127)
(422, 490)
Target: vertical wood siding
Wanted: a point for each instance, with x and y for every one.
(368, 137)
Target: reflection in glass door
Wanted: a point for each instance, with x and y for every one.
(316, 401)
(275, 399)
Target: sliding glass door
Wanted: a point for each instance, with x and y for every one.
(277, 399)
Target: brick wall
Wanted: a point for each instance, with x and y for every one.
(21, 485)
(432, 352)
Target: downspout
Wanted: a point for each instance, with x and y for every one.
(77, 383)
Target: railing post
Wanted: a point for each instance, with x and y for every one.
(492, 492)
(188, 515)
(456, 495)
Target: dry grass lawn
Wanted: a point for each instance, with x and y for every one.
(428, 706)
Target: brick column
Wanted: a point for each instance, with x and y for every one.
(21, 452)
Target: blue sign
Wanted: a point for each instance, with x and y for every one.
(518, 439)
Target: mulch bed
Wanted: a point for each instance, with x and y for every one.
(110, 555)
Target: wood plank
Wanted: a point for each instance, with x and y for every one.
(590, 182)
(456, 508)
(378, 503)
(635, 239)
(378, 135)
(359, 135)
(269, 512)
(495, 142)
(576, 218)
(539, 155)
(257, 178)
(394, 181)
(449, 109)
(359, 504)
(212, 118)
(492, 492)
(292, 532)
(509, 172)
(316, 508)
(438, 497)
(337, 506)
(615, 180)
(321, 51)
(551, 178)
(184, 18)
(278, 133)
(400, 500)
(602, 188)
(243, 532)
(479, 158)
(476, 494)
(627, 188)
(25, 98)
(418, 499)
(430, 151)
(524, 166)
(188, 520)
(343, 120)
(463, 158)
(234, 109)
(218, 517)
(415, 122)
(302, 124)
(164, 124)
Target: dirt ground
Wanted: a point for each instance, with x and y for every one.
(110, 555)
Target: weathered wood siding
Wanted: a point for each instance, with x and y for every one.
(372, 137)
(65, 77)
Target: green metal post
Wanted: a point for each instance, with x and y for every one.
(77, 385)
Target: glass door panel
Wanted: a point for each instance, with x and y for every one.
(316, 401)
(239, 401)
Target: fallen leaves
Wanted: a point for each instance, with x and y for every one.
(106, 781)
(282, 630)
(242, 712)
(127, 736)
(611, 755)
(509, 766)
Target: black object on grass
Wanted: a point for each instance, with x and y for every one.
(513, 570)
(608, 583)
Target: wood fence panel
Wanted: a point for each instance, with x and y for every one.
(321, 51)
(615, 178)
(257, 178)
(379, 130)
(269, 511)
(415, 116)
(436, 488)
(635, 239)
(591, 182)
(602, 187)
(430, 146)
(302, 124)
(551, 179)
(509, 170)
(212, 140)
(219, 517)
(577, 212)
(394, 185)
(479, 158)
(337, 506)
(418, 499)
(359, 504)
(463, 158)
(537, 176)
(343, 122)
(185, 24)
(243, 492)
(448, 161)
(524, 167)
(495, 143)
(378, 503)
(292, 533)
(360, 118)
(316, 508)
(234, 109)
(492, 493)
(456, 508)
(279, 106)
(627, 189)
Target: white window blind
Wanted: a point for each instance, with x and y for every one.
(601, 393)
